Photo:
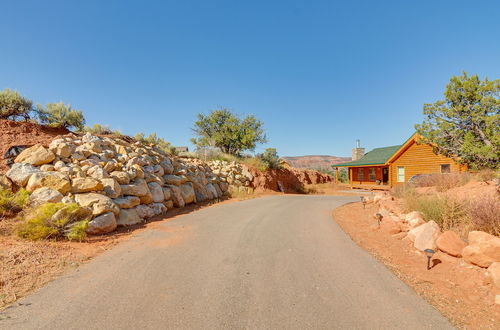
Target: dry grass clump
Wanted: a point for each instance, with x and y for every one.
(443, 182)
(487, 175)
(453, 214)
(484, 214)
(255, 162)
(13, 202)
(246, 193)
(54, 220)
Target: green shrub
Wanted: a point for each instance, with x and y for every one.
(55, 220)
(153, 139)
(99, 129)
(13, 105)
(13, 202)
(61, 115)
(270, 158)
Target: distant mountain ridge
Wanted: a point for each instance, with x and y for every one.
(315, 161)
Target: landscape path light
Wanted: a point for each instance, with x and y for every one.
(429, 253)
(363, 200)
(379, 218)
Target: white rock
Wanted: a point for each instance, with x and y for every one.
(20, 173)
(156, 192)
(45, 195)
(102, 224)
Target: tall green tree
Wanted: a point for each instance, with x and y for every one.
(61, 115)
(14, 106)
(227, 131)
(466, 124)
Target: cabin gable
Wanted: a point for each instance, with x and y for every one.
(419, 159)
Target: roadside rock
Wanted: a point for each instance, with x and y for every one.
(414, 219)
(121, 177)
(173, 180)
(450, 243)
(99, 203)
(176, 196)
(111, 188)
(476, 236)
(102, 224)
(127, 202)
(144, 211)
(187, 193)
(128, 217)
(483, 253)
(54, 180)
(82, 185)
(156, 192)
(36, 155)
(5, 182)
(493, 273)
(45, 195)
(138, 188)
(426, 237)
(158, 208)
(20, 173)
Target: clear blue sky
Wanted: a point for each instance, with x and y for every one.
(320, 74)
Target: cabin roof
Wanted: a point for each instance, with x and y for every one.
(378, 156)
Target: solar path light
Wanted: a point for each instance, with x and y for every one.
(379, 218)
(363, 200)
(429, 253)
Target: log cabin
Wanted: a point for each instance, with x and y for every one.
(395, 165)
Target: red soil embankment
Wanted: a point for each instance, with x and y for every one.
(292, 180)
(13, 133)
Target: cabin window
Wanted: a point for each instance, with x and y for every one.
(372, 174)
(445, 168)
(401, 174)
(361, 174)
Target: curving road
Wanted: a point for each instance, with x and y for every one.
(278, 262)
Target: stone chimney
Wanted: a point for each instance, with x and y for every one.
(357, 152)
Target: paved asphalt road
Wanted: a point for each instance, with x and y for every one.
(278, 262)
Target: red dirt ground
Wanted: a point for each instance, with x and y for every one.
(13, 133)
(457, 289)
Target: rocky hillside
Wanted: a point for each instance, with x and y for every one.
(315, 161)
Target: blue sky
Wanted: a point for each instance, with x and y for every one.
(320, 74)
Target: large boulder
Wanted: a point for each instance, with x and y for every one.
(168, 168)
(144, 211)
(167, 193)
(83, 185)
(97, 172)
(493, 273)
(128, 217)
(212, 190)
(156, 192)
(483, 253)
(54, 180)
(62, 149)
(121, 177)
(175, 193)
(45, 195)
(20, 173)
(158, 208)
(36, 155)
(127, 202)
(5, 182)
(477, 236)
(111, 187)
(450, 243)
(98, 203)
(102, 224)
(187, 193)
(426, 236)
(137, 188)
(147, 199)
(173, 180)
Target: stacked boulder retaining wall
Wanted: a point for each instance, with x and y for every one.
(121, 182)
